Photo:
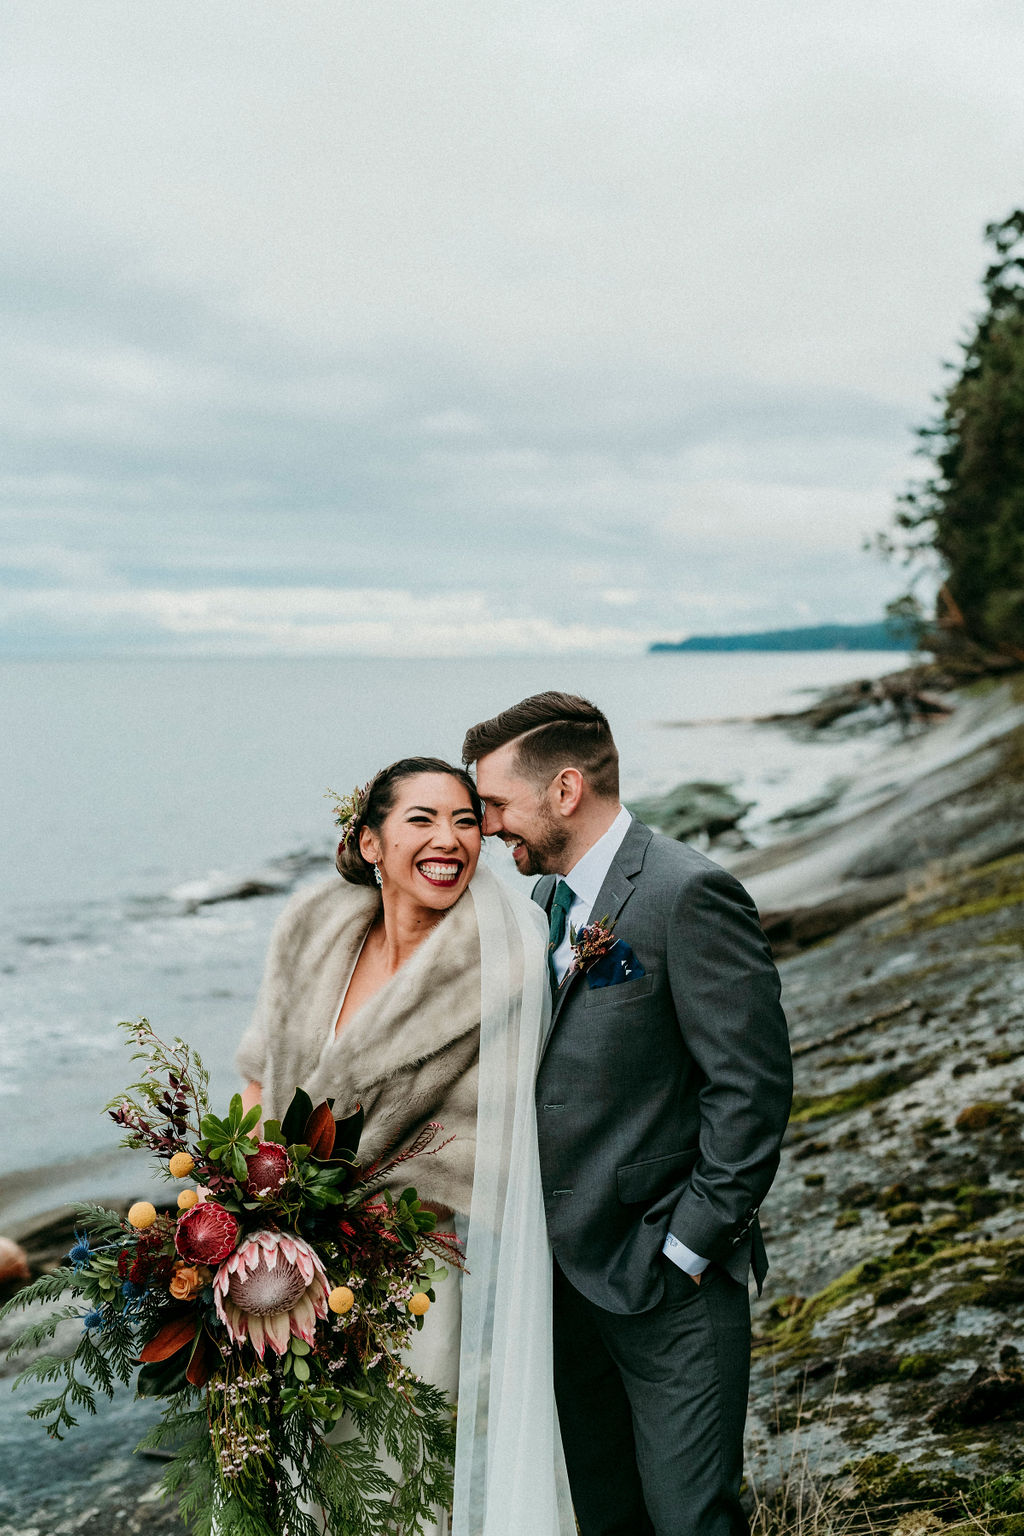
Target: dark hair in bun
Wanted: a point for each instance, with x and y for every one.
(377, 801)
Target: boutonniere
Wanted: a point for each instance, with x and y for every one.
(605, 959)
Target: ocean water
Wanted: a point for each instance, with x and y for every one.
(135, 790)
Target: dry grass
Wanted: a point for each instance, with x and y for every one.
(800, 1501)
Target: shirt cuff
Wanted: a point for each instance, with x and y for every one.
(688, 1261)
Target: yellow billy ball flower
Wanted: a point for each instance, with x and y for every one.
(187, 1199)
(142, 1214)
(341, 1299)
(181, 1164)
(419, 1304)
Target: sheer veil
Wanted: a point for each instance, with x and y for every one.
(509, 1470)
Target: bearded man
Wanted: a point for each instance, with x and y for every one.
(663, 1093)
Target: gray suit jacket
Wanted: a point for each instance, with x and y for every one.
(662, 1100)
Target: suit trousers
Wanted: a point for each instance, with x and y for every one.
(652, 1405)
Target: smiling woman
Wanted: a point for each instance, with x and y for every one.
(373, 997)
(415, 833)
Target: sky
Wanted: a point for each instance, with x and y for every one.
(378, 327)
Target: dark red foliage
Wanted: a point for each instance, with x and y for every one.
(166, 1138)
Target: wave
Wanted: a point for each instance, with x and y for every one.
(275, 878)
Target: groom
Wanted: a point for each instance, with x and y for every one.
(662, 1096)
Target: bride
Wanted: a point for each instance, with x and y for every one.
(418, 989)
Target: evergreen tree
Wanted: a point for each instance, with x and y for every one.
(970, 509)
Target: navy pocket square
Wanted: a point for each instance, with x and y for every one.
(616, 964)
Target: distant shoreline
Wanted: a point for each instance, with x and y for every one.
(880, 636)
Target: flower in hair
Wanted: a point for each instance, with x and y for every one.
(347, 811)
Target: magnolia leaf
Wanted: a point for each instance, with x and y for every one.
(347, 1133)
(170, 1338)
(320, 1132)
(200, 1363)
(297, 1116)
(272, 1132)
(162, 1377)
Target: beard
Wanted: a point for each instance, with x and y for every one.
(545, 847)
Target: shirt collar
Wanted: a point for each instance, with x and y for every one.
(588, 874)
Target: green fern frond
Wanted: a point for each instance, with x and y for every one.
(93, 1361)
(38, 1333)
(102, 1224)
(180, 1425)
(120, 1345)
(46, 1368)
(46, 1288)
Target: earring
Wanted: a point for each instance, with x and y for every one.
(376, 874)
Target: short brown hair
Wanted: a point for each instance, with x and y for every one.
(378, 801)
(552, 731)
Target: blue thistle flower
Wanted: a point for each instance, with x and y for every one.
(131, 1292)
(80, 1253)
(93, 1319)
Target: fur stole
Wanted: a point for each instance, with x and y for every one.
(408, 1056)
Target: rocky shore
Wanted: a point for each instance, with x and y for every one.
(889, 1343)
(890, 1340)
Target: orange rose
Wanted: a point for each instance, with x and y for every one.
(188, 1280)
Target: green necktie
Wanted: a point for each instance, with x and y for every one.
(564, 897)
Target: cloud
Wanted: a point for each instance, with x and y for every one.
(589, 313)
(763, 516)
(306, 621)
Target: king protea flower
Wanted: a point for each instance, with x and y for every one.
(272, 1286)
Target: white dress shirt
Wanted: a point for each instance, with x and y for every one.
(585, 880)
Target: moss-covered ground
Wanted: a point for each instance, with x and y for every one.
(889, 1343)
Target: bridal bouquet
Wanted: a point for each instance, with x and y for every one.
(260, 1314)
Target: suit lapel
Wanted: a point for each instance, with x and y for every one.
(612, 897)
